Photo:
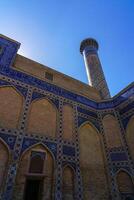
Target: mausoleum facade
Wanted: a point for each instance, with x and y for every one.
(61, 138)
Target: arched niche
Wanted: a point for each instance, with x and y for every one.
(42, 118)
(130, 136)
(68, 122)
(112, 131)
(92, 163)
(46, 175)
(68, 183)
(124, 183)
(4, 158)
(11, 102)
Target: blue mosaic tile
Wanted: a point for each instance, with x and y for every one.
(2, 49)
(120, 156)
(52, 147)
(27, 142)
(22, 90)
(37, 95)
(10, 49)
(13, 170)
(47, 86)
(8, 139)
(107, 113)
(127, 94)
(6, 58)
(55, 89)
(125, 168)
(69, 151)
(119, 100)
(116, 149)
(7, 195)
(82, 120)
(55, 102)
(96, 124)
(9, 187)
(127, 108)
(104, 105)
(87, 112)
(85, 101)
(126, 121)
(4, 83)
(16, 155)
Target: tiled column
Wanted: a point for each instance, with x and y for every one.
(58, 184)
(78, 189)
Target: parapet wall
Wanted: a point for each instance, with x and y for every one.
(38, 70)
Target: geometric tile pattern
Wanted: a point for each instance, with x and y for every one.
(84, 110)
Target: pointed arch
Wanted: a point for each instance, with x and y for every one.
(124, 182)
(6, 146)
(68, 183)
(38, 144)
(11, 102)
(130, 136)
(47, 172)
(70, 166)
(42, 117)
(90, 124)
(68, 122)
(112, 131)
(4, 159)
(92, 162)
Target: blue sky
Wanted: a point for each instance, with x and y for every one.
(50, 32)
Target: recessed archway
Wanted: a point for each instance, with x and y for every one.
(124, 183)
(92, 163)
(11, 102)
(42, 118)
(45, 175)
(68, 122)
(112, 131)
(130, 136)
(68, 186)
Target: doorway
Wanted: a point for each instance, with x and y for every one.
(33, 189)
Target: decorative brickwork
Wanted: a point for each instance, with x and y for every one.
(65, 155)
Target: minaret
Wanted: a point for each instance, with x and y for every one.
(96, 78)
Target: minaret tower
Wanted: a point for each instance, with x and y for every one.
(96, 78)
